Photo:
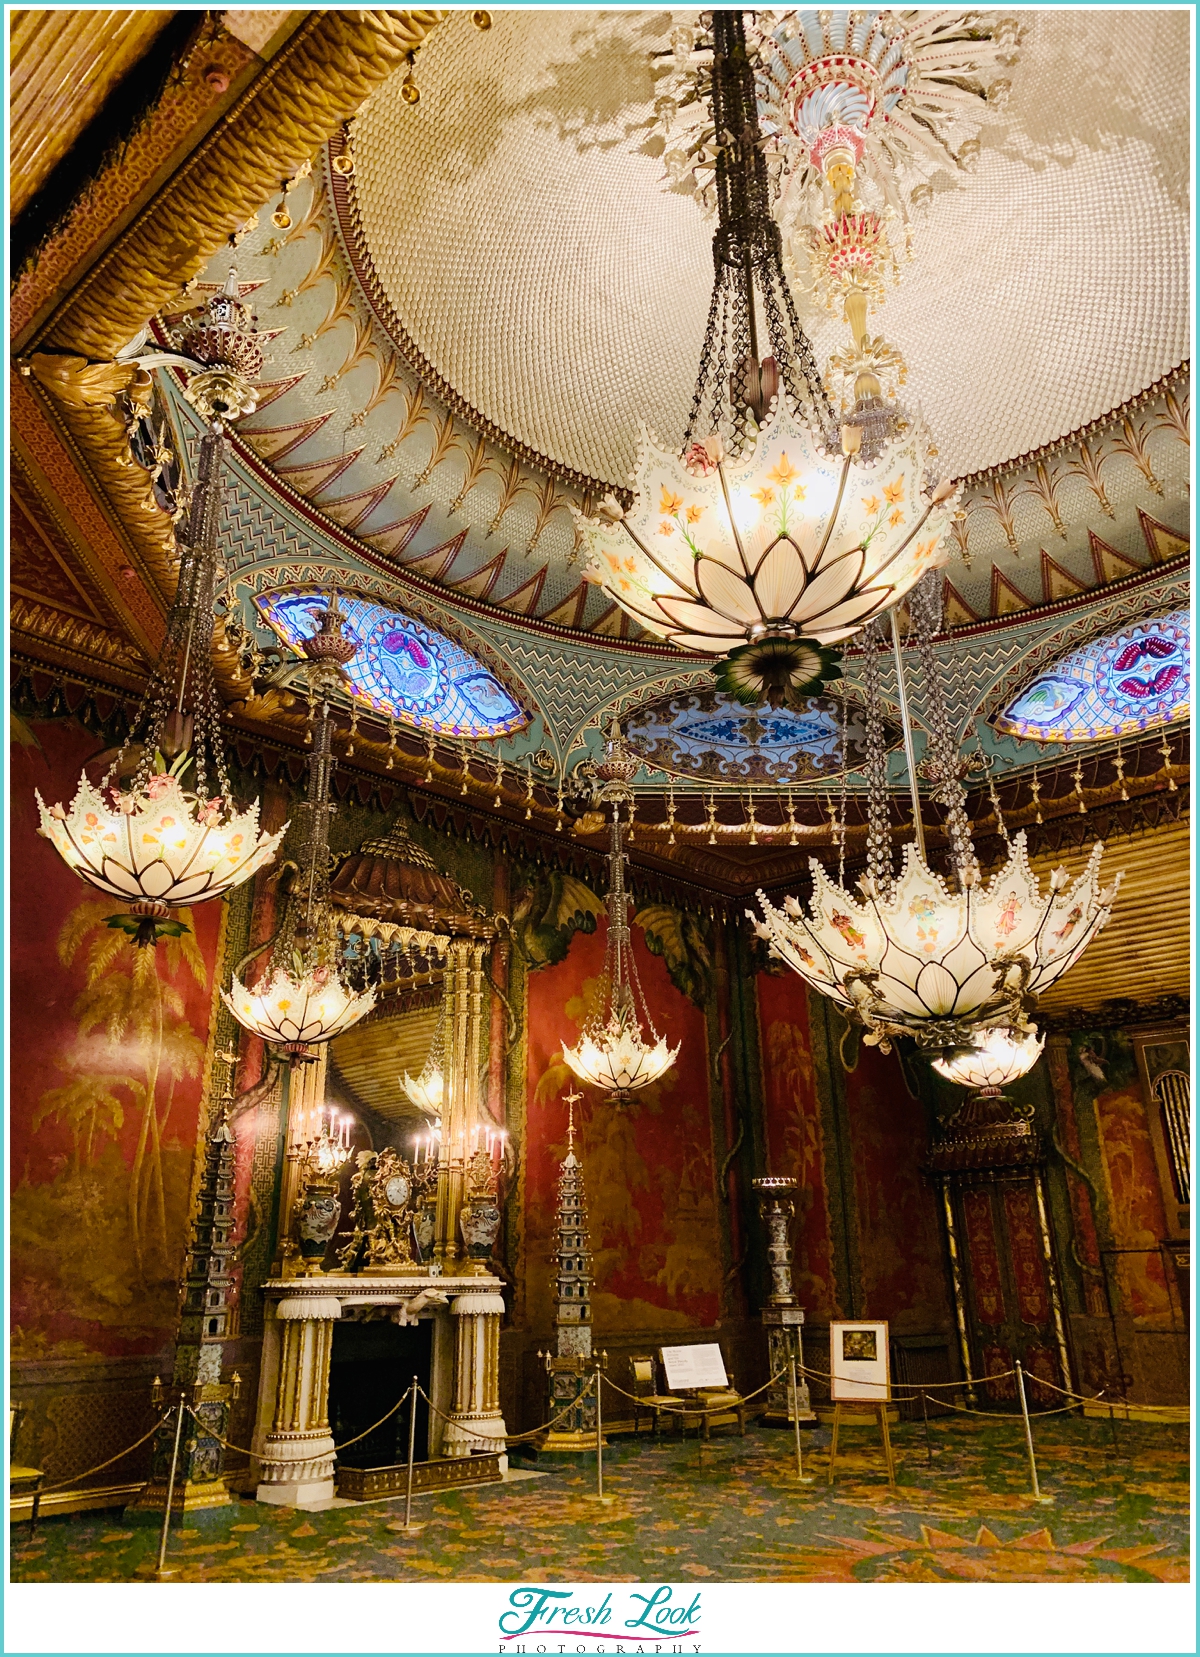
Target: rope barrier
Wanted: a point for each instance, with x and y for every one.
(491, 1440)
(48, 1489)
(696, 1409)
(926, 1386)
(1005, 1415)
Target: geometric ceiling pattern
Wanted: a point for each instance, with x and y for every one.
(505, 285)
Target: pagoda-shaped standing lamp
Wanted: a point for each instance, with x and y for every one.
(569, 1367)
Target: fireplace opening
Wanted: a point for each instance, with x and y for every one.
(371, 1365)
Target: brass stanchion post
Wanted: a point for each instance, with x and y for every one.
(412, 1439)
(1033, 1472)
(166, 1524)
(601, 1360)
(794, 1401)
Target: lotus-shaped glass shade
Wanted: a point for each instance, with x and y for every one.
(785, 540)
(290, 1010)
(157, 847)
(615, 1058)
(998, 1057)
(426, 1091)
(924, 960)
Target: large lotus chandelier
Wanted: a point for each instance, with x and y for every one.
(613, 1053)
(162, 832)
(776, 535)
(304, 1000)
(950, 965)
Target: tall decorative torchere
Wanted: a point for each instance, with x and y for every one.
(207, 1321)
(782, 1316)
(569, 1367)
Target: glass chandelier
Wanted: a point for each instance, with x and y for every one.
(775, 535)
(613, 1053)
(957, 966)
(305, 1000)
(170, 837)
(1000, 1056)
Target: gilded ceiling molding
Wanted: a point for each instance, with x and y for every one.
(84, 397)
(58, 639)
(65, 459)
(188, 108)
(321, 78)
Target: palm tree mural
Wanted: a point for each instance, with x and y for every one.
(131, 1000)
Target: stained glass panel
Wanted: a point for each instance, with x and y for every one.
(403, 669)
(1120, 683)
(709, 736)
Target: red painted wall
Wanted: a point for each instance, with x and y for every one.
(104, 1107)
(647, 1165)
(899, 1243)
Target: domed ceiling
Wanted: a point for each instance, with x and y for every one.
(523, 239)
(467, 304)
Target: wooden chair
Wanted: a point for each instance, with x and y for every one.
(728, 1400)
(23, 1480)
(646, 1394)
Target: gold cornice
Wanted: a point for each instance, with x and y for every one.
(321, 78)
(64, 459)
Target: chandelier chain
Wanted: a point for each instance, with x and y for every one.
(879, 839)
(925, 606)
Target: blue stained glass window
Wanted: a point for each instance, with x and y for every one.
(1123, 682)
(403, 669)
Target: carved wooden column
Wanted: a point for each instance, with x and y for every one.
(476, 1422)
(297, 1456)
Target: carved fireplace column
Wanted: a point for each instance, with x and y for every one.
(476, 1419)
(463, 989)
(297, 1456)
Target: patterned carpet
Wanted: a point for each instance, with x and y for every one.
(961, 1513)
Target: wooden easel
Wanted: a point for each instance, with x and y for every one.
(879, 1410)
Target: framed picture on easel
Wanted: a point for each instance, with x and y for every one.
(859, 1367)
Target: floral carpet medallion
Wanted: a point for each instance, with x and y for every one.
(729, 1511)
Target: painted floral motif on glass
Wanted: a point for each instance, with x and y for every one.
(709, 736)
(1123, 682)
(403, 669)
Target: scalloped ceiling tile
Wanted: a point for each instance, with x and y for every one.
(530, 250)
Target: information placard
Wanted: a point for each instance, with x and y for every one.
(694, 1366)
(858, 1362)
